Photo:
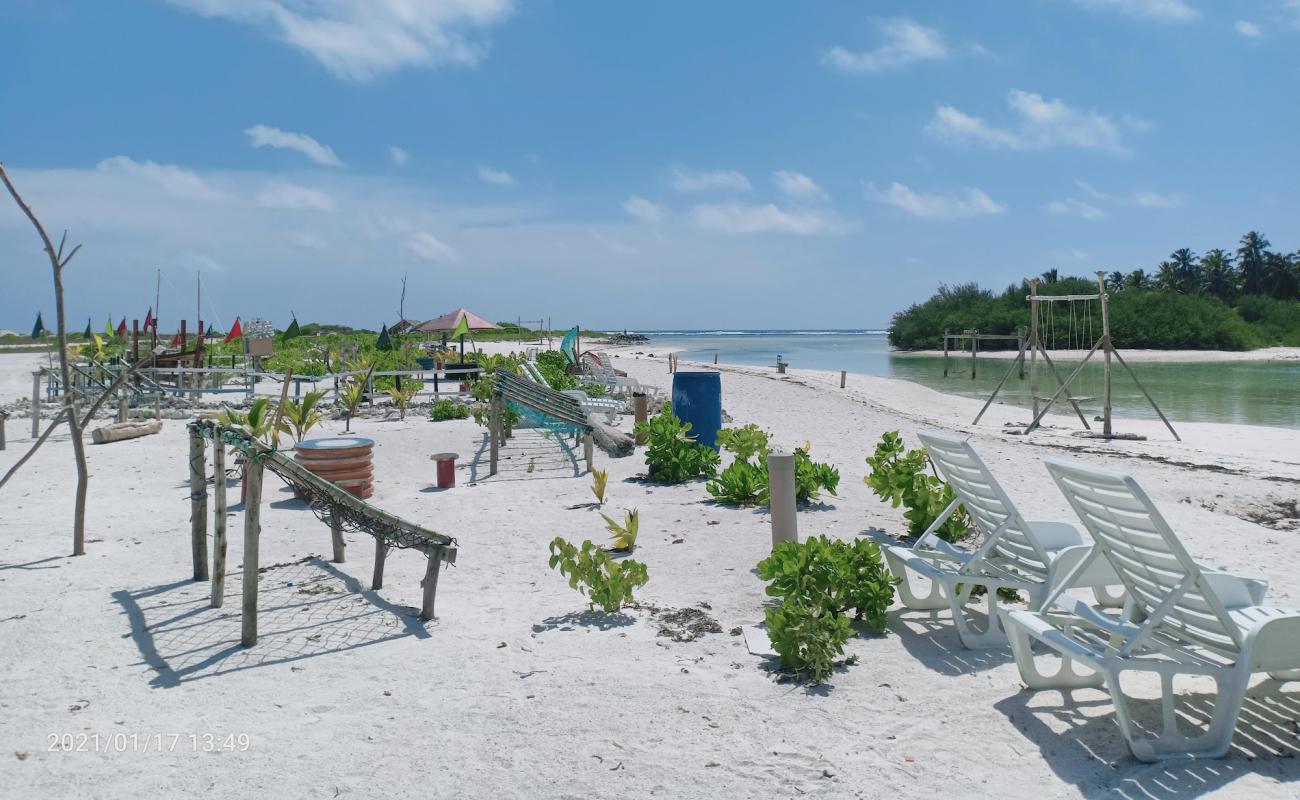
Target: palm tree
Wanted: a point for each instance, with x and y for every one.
(1279, 276)
(1137, 279)
(1218, 277)
(1186, 272)
(1115, 281)
(1167, 276)
(1250, 260)
(1052, 275)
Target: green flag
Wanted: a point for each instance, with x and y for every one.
(88, 332)
(462, 328)
(108, 328)
(292, 331)
(39, 327)
(383, 342)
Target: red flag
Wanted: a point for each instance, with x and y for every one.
(235, 332)
(121, 329)
(176, 341)
(149, 321)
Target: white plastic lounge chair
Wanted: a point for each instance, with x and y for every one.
(1014, 553)
(608, 406)
(1185, 620)
(601, 370)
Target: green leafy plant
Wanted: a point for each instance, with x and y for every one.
(808, 638)
(899, 476)
(672, 454)
(446, 409)
(744, 443)
(745, 483)
(623, 537)
(350, 395)
(810, 477)
(606, 582)
(402, 397)
(820, 582)
(302, 416)
(594, 389)
(258, 420)
(740, 484)
(599, 480)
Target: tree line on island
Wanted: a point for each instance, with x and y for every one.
(1220, 300)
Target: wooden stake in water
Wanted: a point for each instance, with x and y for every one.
(843, 375)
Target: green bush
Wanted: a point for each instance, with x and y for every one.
(745, 483)
(594, 389)
(740, 484)
(446, 409)
(898, 476)
(672, 454)
(606, 583)
(811, 477)
(820, 582)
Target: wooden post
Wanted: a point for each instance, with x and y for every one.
(587, 450)
(3, 416)
(381, 552)
(135, 340)
(1105, 353)
(1020, 348)
(494, 414)
(336, 534)
(430, 583)
(780, 477)
(121, 408)
(36, 403)
(184, 336)
(945, 352)
(157, 405)
(252, 535)
(1033, 344)
(218, 522)
(640, 413)
(198, 507)
(715, 359)
(198, 362)
(844, 374)
(974, 351)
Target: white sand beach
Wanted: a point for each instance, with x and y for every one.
(517, 690)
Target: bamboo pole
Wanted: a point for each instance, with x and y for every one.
(1048, 360)
(252, 536)
(198, 507)
(1019, 360)
(218, 522)
(430, 583)
(381, 552)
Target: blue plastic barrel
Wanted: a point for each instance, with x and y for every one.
(697, 399)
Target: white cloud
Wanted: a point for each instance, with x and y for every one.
(1158, 10)
(426, 246)
(201, 262)
(359, 40)
(643, 210)
(685, 180)
(738, 218)
(1073, 207)
(1141, 198)
(291, 195)
(399, 156)
(173, 179)
(1040, 123)
(906, 42)
(498, 176)
(265, 136)
(1156, 200)
(1248, 29)
(958, 205)
(798, 185)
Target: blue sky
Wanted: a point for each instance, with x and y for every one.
(648, 165)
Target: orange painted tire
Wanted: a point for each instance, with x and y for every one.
(341, 477)
(315, 464)
(334, 453)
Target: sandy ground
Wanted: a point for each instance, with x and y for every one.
(516, 690)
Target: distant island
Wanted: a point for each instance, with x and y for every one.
(1219, 301)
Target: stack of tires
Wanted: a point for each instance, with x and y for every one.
(345, 460)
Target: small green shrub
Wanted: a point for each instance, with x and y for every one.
(446, 409)
(842, 577)
(744, 443)
(605, 582)
(898, 476)
(808, 638)
(745, 483)
(672, 454)
(623, 537)
(594, 389)
(811, 477)
(599, 480)
(740, 484)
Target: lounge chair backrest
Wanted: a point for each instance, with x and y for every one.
(1168, 588)
(989, 507)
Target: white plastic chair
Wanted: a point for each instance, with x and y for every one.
(1014, 553)
(608, 406)
(1182, 620)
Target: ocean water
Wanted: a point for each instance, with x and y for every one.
(1243, 392)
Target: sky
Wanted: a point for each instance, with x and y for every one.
(663, 165)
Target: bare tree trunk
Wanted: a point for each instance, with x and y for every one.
(57, 262)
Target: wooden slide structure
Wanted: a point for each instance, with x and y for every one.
(331, 503)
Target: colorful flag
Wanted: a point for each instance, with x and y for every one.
(39, 327)
(99, 343)
(292, 331)
(177, 341)
(235, 332)
(88, 333)
(121, 329)
(383, 342)
(149, 321)
(462, 328)
(211, 331)
(108, 328)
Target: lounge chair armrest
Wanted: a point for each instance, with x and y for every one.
(1054, 535)
(1274, 644)
(1235, 591)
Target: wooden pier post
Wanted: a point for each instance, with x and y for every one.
(974, 351)
(218, 522)
(945, 352)
(1033, 344)
(252, 536)
(381, 552)
(198, 506)
(844, 374)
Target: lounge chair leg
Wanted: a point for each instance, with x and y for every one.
(1213, 743)
(933, 601)
(1106, 599)
(972, 639)
(1066, 677)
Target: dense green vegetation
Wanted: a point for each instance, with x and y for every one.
(1219, 301)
